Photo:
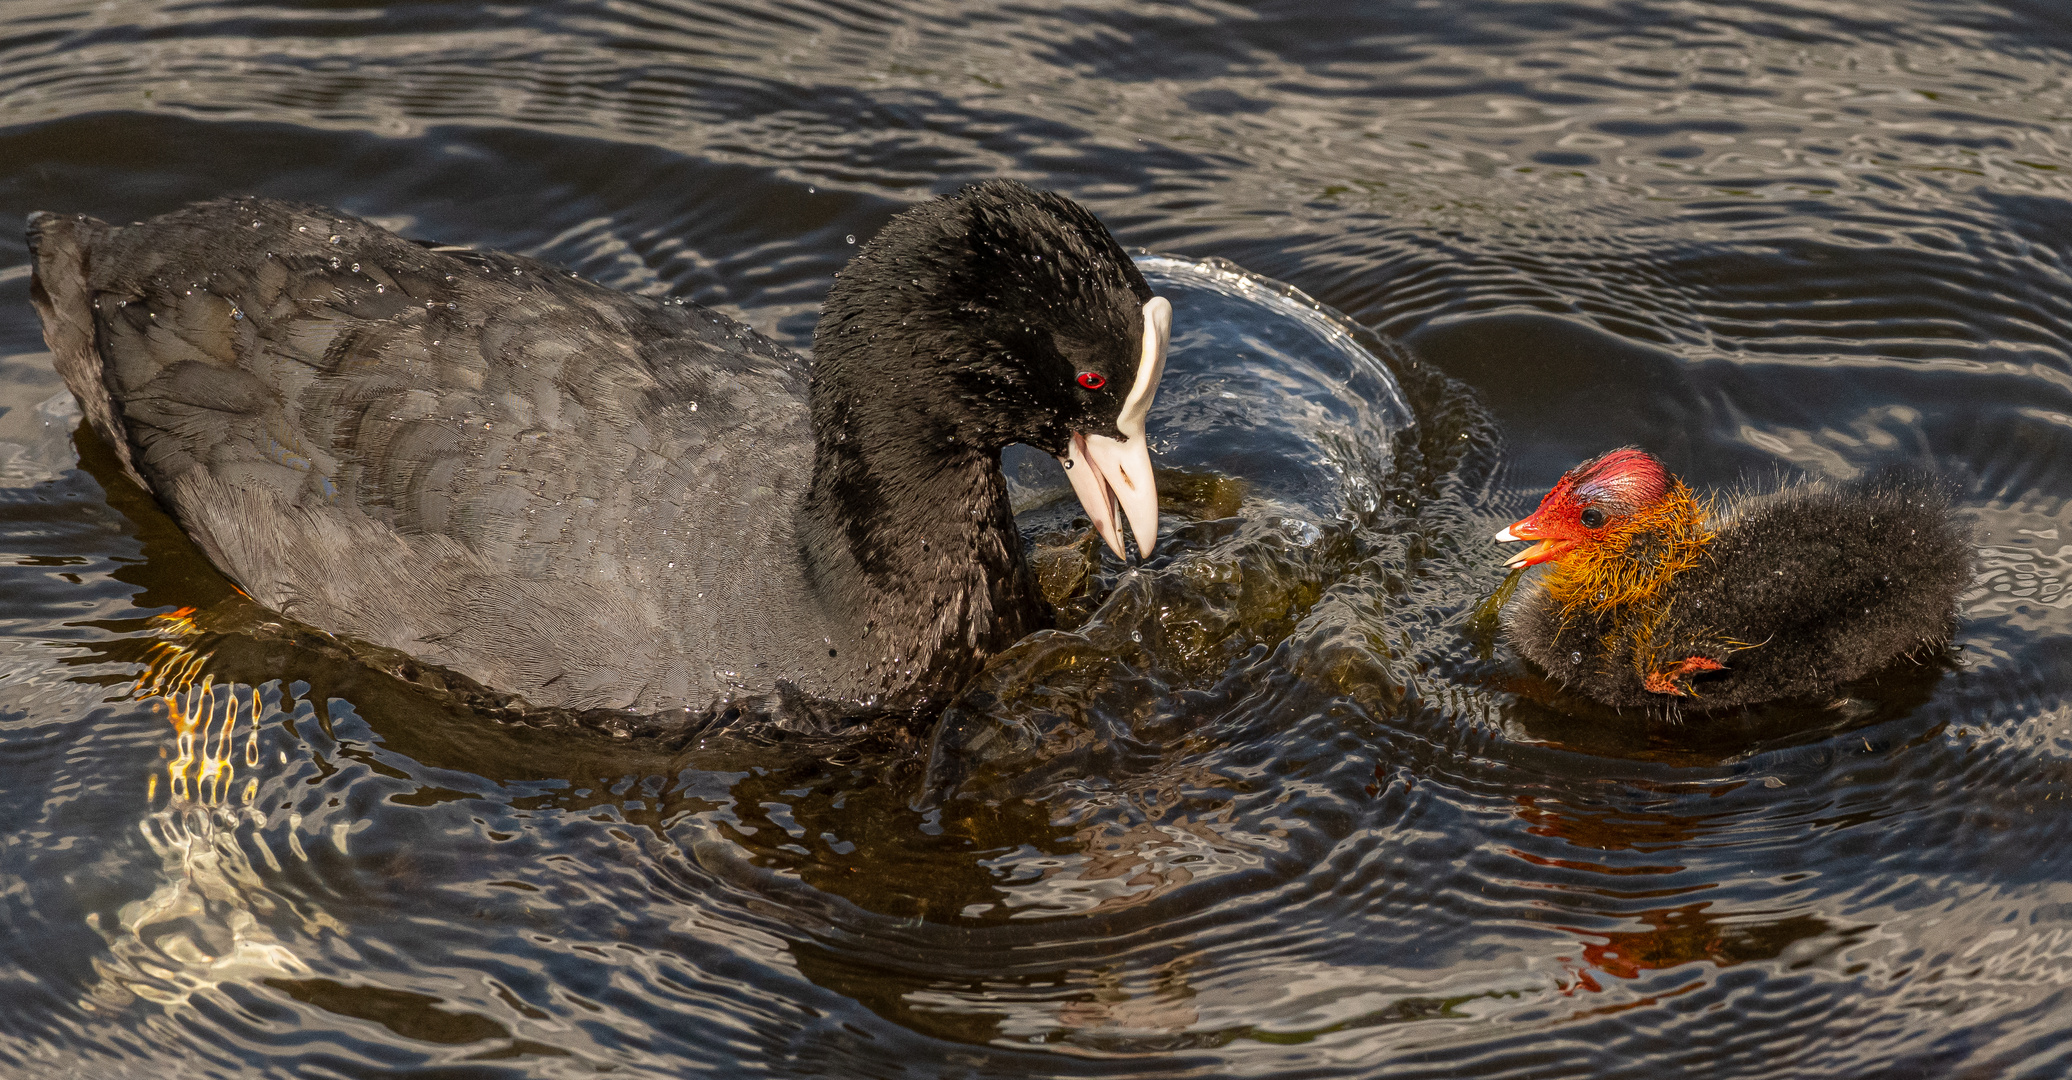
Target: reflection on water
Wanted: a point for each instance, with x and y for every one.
(1268, 804)
(205, 719)
(1675, 935)
(207, 921)
(1690, 934)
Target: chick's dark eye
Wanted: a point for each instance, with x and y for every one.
(1092, 380)
(1593, 518)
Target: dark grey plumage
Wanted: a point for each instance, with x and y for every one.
(586, 498)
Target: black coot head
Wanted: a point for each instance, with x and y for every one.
(997, 315)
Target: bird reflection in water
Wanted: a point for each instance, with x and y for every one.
(205, 719)
(991, 876)
(1693, 934)
(1697, 932)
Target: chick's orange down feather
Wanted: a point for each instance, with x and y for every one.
(1655, 597)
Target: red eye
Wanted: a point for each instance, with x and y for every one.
(1092, 380)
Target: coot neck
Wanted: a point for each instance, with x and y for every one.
(909, 541)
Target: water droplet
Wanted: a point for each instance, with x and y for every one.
(849, 239)
(356, 268)
(337, 239)
(1068, 463)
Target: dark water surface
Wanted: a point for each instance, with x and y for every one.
(1269, 809)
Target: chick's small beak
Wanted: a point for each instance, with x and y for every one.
(1107, 473)
(1541, 552)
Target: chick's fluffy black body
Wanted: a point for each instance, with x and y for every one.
(1798, 592)
(590, 499)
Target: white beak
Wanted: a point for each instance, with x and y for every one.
(1108, 472)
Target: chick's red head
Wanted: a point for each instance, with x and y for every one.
(1588, 502)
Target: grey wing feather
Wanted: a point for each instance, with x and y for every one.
(469, 457)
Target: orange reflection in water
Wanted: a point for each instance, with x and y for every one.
(1612, 830)
(205, 718)
(1694, 932)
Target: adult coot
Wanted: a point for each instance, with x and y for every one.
(1658, 598)
(601, 501)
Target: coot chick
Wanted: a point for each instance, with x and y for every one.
(595, 500)
(1658, 598)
